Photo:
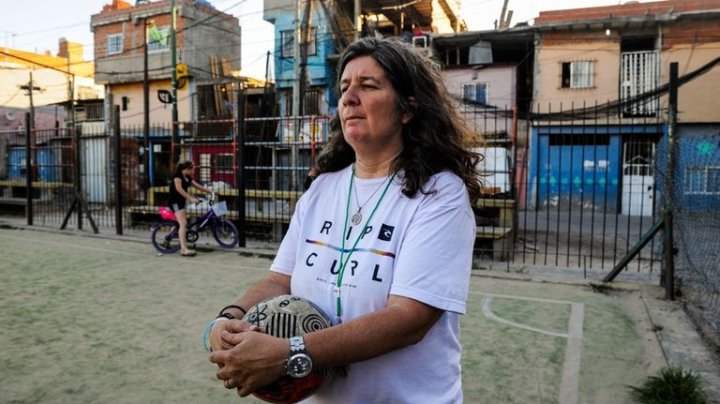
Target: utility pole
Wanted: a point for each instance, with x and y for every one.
(146, 109)
(173, 62)
(30, 88)
(295, 101)
(668, 274)
(357, 19)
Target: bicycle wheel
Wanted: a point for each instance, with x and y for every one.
(225, 233)
(164, 236)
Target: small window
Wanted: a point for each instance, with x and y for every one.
(287, 43)
(204, 168)
(158, 38)
(114, 44)
(702, 180)
(223, 163)
(312, 102)
(577, 74)
(475, 93)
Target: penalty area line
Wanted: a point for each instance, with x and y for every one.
(570, 379)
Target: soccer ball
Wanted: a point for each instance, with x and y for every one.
(286, 316)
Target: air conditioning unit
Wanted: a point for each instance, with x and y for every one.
(420, 41)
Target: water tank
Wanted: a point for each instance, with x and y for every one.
(481, 53)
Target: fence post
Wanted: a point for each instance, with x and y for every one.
(240, 163)
(669, 272)
(28, 170)
(78, 174)
(118, 171)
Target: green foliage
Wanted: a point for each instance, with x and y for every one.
(672, 385)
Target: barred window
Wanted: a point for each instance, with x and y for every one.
(287, 43)
(702, 180)
(578, 74)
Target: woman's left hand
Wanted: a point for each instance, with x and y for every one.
(256, 360)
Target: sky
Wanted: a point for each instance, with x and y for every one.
(37, 25)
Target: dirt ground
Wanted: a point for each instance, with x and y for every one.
(90, 320)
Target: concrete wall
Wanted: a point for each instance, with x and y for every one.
(195, 42)
(501, 95)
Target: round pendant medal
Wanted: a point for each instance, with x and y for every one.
(356, 218)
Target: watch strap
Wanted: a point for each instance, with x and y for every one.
(297, 344)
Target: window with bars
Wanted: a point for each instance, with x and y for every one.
(114, 44)
(475, 93)
(578, 74)
(223, 163)
(287, 43)
(205, 168)
(311, 102)
(702, 180)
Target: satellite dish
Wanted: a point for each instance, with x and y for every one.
(10, 115)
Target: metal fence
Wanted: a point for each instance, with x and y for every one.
(73, 172)
(696, 210)
(575, 186)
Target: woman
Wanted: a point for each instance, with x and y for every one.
(389, 219)
(179, 186)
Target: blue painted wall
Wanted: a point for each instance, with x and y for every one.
(320, 72)
(578, 165)
(16, 163)
(47, 165)
(698, 149)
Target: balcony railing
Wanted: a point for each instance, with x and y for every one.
(640, 74)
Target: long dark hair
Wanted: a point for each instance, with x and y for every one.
(433, 140)
(182, 166)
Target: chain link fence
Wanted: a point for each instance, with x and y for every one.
(696, 211)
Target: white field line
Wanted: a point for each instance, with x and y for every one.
(487, 311)
(573, 351)
(569, 383)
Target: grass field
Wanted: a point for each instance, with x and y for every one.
(89, 320)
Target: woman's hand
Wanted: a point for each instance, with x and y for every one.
(254, 360)
(233, 326)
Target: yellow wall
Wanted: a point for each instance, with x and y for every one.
(548, 92)
(698, 99)
(160, 114)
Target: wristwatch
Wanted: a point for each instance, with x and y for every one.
(299, 363)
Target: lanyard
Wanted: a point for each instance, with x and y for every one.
(343, 263)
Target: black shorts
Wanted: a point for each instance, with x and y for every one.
(177, 206)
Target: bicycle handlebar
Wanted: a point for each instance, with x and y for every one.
(210, 200)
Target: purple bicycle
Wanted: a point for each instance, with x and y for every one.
(164, 234)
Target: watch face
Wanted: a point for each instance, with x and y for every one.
(299, 365)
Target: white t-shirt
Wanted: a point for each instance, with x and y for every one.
(420, 248)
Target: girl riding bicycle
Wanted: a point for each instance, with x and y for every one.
(181, 182)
